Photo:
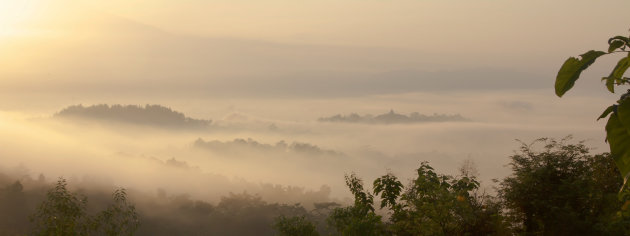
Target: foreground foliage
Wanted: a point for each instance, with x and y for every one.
(297, 225)
(64, 213)
(618, 125)
(358, 219)
(556, 188)
(561, 189)
(431, 204)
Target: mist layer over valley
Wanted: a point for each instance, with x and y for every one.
(245, 145)
(218, 116)
(180, 161)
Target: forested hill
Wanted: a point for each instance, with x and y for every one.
(243, 146)
(392, 118)
(153, 115)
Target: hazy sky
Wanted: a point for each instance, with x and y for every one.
(213, 41)
(480, 25)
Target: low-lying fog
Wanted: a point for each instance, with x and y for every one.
(183, 103)
(252, 142)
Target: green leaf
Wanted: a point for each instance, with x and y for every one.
(607, 111)
(571, 70)
(621, 67)
(618, 136)
(617, 73)
(615, 44)
(621, 38)
(610, 83)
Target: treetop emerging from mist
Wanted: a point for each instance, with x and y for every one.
(392, 118)
(155, 115)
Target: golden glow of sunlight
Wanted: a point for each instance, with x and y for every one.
(14, 124)
(14, 15)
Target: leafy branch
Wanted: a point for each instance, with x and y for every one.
(618, 125)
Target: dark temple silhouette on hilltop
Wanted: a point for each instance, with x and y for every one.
(392, 118)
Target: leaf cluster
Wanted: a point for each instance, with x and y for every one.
(618, 125)
(297, 225)
(360, 218)
(64, 213)
(561, 190)
(432, 204)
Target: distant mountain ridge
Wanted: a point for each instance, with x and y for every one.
(392, 118)
(154, 115)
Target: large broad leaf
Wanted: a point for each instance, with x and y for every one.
(615, 44)
(620, 69)
(607, 111)
(618, 136)
(610, 83)
(571, 70)
(626, 40)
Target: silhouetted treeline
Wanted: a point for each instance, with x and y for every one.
(392, 118)
(154, 115)
(250, 145)
(555, 188)
(164, 214)
(235, 214)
